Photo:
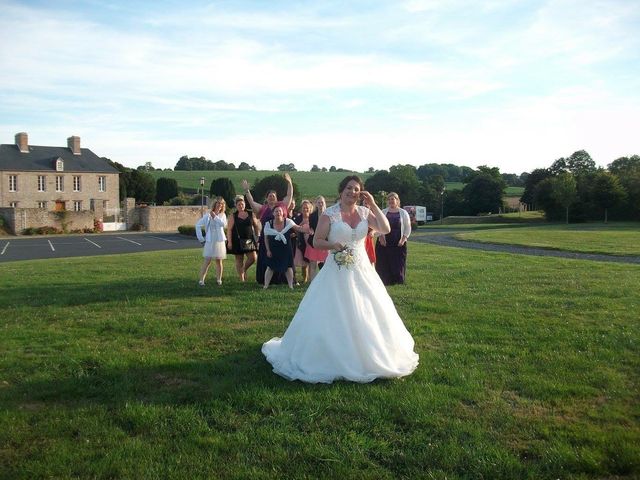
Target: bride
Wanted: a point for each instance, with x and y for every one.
(346, 326)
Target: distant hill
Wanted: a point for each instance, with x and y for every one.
(311, 184)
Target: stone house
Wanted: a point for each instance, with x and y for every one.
(56, 178)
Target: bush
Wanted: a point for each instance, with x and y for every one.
(136, 227)
(187, 230)
(48, 230)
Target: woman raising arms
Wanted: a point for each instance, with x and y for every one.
(264, 212)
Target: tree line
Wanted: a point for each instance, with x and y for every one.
(573, 189)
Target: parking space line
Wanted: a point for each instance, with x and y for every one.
(51, 245)
(93, 242)
(163, 239)
(5, 248)
(127, 240)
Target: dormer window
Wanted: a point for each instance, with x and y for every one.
(59, 165)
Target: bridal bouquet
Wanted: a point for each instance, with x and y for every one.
(346, 257)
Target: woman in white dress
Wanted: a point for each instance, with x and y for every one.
(214, 241)
(346, 326)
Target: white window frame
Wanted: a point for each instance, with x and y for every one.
(13, 183)
(42, 183)
(59, 183)
(102, 183)
(77, 205)
(59, 165)
(77, 185)
(42, 205)
(13, 204)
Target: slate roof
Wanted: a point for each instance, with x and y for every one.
(43, 159)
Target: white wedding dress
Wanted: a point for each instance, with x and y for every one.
(346, 326)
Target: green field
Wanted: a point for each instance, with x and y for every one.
(310, 184)
(614, 238)
(120, 367)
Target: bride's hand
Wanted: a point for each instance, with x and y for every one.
(367, 198)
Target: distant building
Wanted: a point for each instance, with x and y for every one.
(56, 178)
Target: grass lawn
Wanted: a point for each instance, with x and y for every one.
(120, 367)
(616, 238)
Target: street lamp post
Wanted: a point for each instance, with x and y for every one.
(202, 195)
(442, 203)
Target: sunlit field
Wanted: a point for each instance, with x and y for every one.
(121, 367)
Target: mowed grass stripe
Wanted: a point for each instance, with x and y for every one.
(119, 366)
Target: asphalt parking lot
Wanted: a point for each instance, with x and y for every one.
(14, 249)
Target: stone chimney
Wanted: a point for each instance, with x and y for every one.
(74, 145)
(22, 141)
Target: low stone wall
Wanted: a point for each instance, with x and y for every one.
(150, 219)
(167, 219)
(19, 219)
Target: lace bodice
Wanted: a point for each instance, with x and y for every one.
(342, 232)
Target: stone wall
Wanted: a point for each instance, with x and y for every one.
(167, 219)
(19, 219)
(150, 219)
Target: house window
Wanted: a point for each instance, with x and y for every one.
(41, 183)
(13, 204)
(102, 184)
(13, 183)
(76, 184)
(42, 205)
(59, 165)
(59, 183)
(77, 205)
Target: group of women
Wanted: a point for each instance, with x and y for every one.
(346, 326)
(278, 242)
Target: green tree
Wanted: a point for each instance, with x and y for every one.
(607, 192)
(484, 193)
(580, 162)
(223, 187)
(409, 188)
(624, 165)
(166, 189)
(245, 166)
(272, 182)
(564, 191)
(530, 184)
(142, 186)
(315, 168)
(287, 167)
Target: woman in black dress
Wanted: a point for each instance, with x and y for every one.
(242, 230)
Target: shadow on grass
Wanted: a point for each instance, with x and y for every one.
(188, 383)
(124, 291)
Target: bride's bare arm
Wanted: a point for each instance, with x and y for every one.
(377, 220)
(322, 232)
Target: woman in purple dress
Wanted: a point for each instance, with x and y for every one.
(391, 249)
(265, 213)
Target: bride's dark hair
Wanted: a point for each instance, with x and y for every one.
(345, 180)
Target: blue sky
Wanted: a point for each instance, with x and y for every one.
(513, 84)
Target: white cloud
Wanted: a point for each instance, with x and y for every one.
(501, 83)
